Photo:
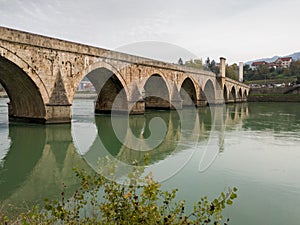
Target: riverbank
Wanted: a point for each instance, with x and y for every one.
(275, 94)
(274, 98)
(85, 95)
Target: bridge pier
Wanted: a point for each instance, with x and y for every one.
(238, 100)
(176, 104)
(201, 103)
(58, 114)
(136, 107)
(230, 101)
(55, 114)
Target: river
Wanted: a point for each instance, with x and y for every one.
(252, 146)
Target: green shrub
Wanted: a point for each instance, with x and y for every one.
(137, 201)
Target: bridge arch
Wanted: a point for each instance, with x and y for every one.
(156, 92)
(93, 70)
(225, 94)
(147, 74)
(245, 95)
(26, 92)
(188, 92)
(209, 92)
(110, 86)
(28, 69)
(240, 95)
(233, 94)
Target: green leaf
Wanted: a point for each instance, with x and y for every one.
(223, 195)
(233, 196)
(229, 202)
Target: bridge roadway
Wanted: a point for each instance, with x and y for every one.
(41, 75)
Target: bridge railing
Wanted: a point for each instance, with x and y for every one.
(229, 80)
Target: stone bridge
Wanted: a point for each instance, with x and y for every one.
(41, 75)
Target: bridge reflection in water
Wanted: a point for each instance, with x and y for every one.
(40, 158)
(39, 161)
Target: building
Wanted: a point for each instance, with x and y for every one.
(254, 65)
(86, 86)
(284, 62)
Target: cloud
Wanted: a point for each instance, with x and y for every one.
(236, 29)
(158, 50)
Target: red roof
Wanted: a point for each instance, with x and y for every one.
(259, 63)
(285, 58)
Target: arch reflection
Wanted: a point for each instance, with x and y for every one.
(40, 159)
(201, 129)
(181, 127)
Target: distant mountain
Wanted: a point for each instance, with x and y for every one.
(295, 56)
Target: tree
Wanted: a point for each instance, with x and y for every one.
(248, 72)
(180, 62)
(213, 67)
(138, 201)
(207, 63)
(295, 68)
(261, 73)
(247, 67)
(232, 71)
(194, 63)
(212, 64)
(264, 72)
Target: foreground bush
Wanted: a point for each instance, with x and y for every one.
(140, 201)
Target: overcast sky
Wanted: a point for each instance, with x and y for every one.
(239, 30)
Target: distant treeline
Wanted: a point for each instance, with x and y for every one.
(232, 71)
(264, 72)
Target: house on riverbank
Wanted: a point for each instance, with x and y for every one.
(281, 62)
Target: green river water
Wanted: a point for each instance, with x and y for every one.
(252, 146)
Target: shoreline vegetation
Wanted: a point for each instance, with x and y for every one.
(274, 92)
(285, 80)
(138, 200)
(274, 97)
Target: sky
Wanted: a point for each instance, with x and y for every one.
(239, 30)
